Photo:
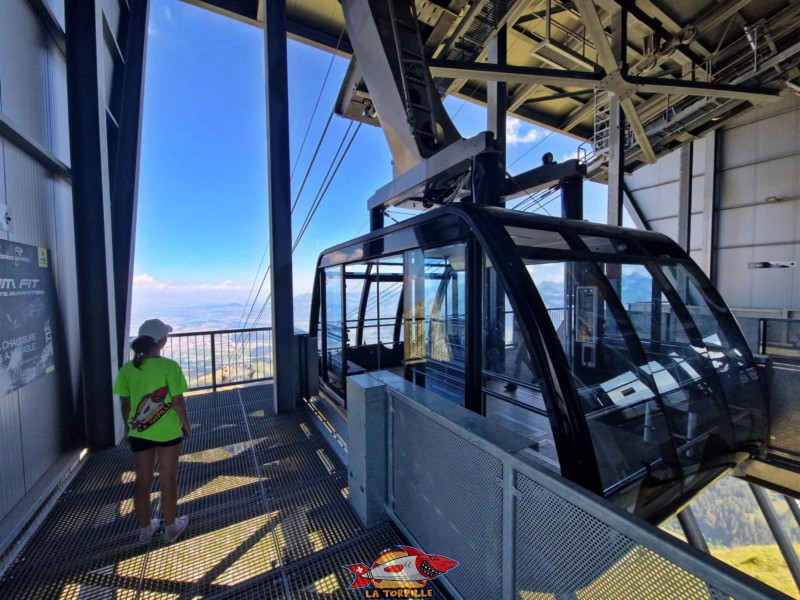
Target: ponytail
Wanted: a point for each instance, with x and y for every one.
(141, 346)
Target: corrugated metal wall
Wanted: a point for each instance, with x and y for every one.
(758, 156)
(33, 97)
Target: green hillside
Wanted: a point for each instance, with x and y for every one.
(765, 563)
(737, 533)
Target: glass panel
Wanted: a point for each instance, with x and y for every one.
(434, 319)
(537, 238)
(626, 420)
(334, 329)
(727, 353)
(678, 363)
(513, 391)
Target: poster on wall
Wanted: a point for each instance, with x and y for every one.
(27, 315)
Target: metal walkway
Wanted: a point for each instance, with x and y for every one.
(267, 502)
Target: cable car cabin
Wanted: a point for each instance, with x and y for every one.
(607, 348)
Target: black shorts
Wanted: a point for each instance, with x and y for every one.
(140, 444)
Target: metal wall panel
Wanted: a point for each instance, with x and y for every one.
(737, 187)
(736, 227)
(668, 194)
(11, 471)
(29, 191)
(65, 273)
(668, 226)
(761, 159)
(23, 69)
(739, 147)
(699, 158)
(768, 109)
(772, 288)
(732, 279)
(39, 424)
(3, 143)
(777, 177)
(696, 232)
(33, 95)
(59, 122)
(776, 222)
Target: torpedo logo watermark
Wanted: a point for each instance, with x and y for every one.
(400, 573)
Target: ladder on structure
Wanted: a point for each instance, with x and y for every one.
(414, 75)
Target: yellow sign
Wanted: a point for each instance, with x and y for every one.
(43, 257)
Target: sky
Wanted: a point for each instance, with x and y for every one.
(202, 225)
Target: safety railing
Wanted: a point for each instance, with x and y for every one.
(779, 338)
(212, 359)
(556, 315)
(519, 531)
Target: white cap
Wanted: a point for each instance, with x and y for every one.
(154, 328)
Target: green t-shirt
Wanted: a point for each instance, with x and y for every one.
(151, 390)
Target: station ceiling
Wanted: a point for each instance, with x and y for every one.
(688, 66)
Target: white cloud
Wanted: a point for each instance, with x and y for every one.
(147, 282)
(518, 132)
(569, 156)
(167, 13)
(152, 31)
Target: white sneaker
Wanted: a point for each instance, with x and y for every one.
(146, 533)
(171, 532)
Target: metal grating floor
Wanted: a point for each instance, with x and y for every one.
(269, 518)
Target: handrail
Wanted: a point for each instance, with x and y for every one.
(223, 357)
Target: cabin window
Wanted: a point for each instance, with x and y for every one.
(434, 319)
(512, 387)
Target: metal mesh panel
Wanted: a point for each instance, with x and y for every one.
(260, 512)
(445, 494)
(562, 550)
(785, 418)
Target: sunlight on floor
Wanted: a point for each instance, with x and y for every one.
(223, 483)
(217, 555)
(222, 453)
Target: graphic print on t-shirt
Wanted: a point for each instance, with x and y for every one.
(151, 408)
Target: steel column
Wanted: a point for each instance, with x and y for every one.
(572, 197)
(617, 124)
(497, 97)
(710, 201)
(92, 211)
(783, 541)
(685, 196)
(125, 173)
(280, 214)
(692, 530)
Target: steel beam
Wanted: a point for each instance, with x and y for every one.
(616, 124)
(605, 55)
(784, 543)
(92, 212)
(494, 162)
(280, 212)
(656, 85)
(509, 19)
(512, 73)
(709, 205)
(633, 209)
(685, 196)
(691, 529)
(125, 171)
(14, 134)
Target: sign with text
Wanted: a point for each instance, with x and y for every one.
(27, 315)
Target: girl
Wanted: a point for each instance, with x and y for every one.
(156, 422)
